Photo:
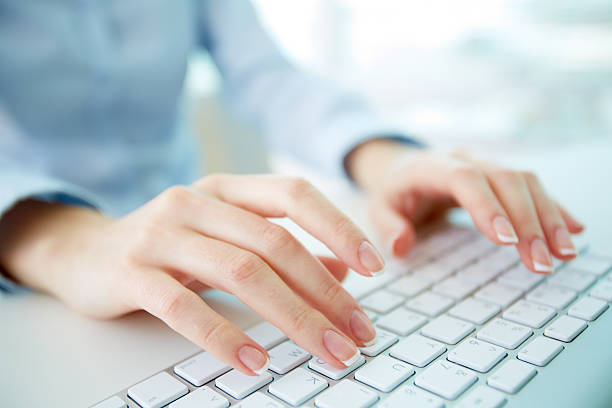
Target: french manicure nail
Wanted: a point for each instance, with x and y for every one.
(542, 261)
(504, 230)
(564, 242)
(254, 359)
(370, 258)
(361, 325)
(340, 347)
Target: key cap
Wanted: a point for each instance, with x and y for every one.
(445, 379)
(413, 397)
(572, 279)
(553, 296)
(435, 271)
(383, 340)
(540, 351)
(112, 402)
(259, 400)
(286, 356)
(347, 393)
(475, 311)
(384, 373)
(402, 321)
(372, 315)
(455, 287)
(200, 369)
(157, 391)
(587, 308)
(504, 333)
(502, 259)
(447, 329)
(483, 397)
(479, 273)
(530, 314)
(266, 335)
(334, 373)
(520, 278)
(298, 386)
(476, 354)
(512, 376)
(603, 291)
(239, 385)
(417, 350)
(203, 397)
(498, 294)
(382, 301)
(592, 263)
(565, 328)
(429, 303)
(410, 286)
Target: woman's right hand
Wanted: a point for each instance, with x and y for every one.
(211, 233)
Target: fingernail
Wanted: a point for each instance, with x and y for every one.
(254, 359)
(361, 325)
(565, 245)
(503, 229)
(542, 261)
(341, 348)
(370, 258)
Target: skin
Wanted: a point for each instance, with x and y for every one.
(215, 234)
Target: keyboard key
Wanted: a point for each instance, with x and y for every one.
(572, 279)
(435, 271)
(347, 393)
(286, 356)
(565, 328)
(529, 314)
(259, 400)
(266, 335)
(410, 286)
(382, 301)
(504, 333)
(383, 340)
(540, 351)
(475, 311)
(239, 385)
(592, 263)
(417, 350)
(603, 291)
(483, 397)
(334, 373)
(447, 329)
(498, 294)
(502, 259)
(476, 354)
(553, 296)
(401, 321)
(372, 315)
(479, 273)
(512, 376)
(200, 369)
(429, 303)
(455, 287)
(298, 386)
(445, 379)
(520, 278)
(112, 402)
(203, 397)
(587, 308)
(157, 391)
(413, 397)
(384, 373)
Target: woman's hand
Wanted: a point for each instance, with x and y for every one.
(407, 186)
(212, 233)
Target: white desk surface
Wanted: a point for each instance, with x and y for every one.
(52, 357)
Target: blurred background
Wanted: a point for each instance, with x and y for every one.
(482, 73)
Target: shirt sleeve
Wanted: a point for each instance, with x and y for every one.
(308, 116)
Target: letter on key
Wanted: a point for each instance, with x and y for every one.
(446, 379)
(384, 373)
(157, 391)
(203, 397)
(286, 356)
(298, 386)
(347, 393)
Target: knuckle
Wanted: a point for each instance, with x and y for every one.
(244, 267)
(530, 177)
(465, 172)
(343, 226)
(505, 176)
(173, 198)
(277, 238)
(211, 180)
(141, 242)
(298, 188)
(215, 332)
(171, 306)
(302, 317)
(332, 292)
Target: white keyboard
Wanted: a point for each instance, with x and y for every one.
(468, 328)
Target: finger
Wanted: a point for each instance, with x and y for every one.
(337, 268)
(553, 225)
(513, 192)
(574, 226)
(186, 312)
(392, 225)
(273, 196)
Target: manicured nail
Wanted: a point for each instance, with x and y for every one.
(503, 229)
(565, 246)
(542, 261)
(254, 359)
(361, 325)
(341, 348)
(370, 258)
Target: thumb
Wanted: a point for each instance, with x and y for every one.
(395, 229)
